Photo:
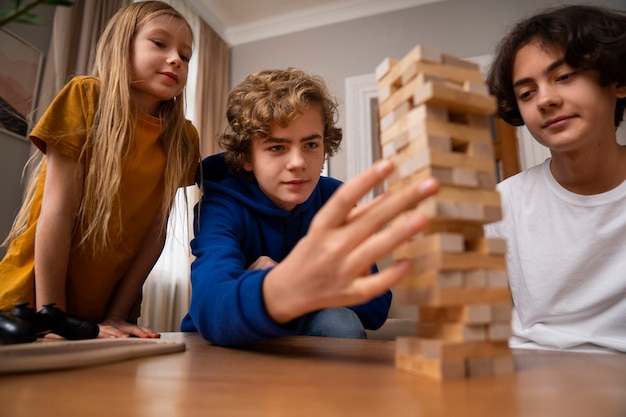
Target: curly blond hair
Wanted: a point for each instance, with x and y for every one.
(274, 97)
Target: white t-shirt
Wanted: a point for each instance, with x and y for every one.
(566, 260)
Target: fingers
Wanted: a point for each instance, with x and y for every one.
(374, 285)
(367, 287)
(376, 241)
(381, 244)
(142, 332)
(107, 332)
(390, 208)
(335, 212)
(362, 208)
(122, 330)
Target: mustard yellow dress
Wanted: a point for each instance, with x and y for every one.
(91, 280)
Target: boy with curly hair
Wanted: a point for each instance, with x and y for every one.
(275, 254)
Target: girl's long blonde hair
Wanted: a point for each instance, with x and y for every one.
(111, 137)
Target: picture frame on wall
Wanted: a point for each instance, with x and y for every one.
(20, 74)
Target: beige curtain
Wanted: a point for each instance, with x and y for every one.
(167, 290)
(75, 32)
(212, 88)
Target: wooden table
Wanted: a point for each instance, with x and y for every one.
(306, 376)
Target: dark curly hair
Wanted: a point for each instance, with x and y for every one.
(274, 96)
(591, 37)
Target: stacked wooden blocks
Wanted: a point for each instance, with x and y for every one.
(435, 121)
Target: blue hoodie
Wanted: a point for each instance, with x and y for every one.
(237, 224)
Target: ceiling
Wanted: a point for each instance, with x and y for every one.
(243, 21)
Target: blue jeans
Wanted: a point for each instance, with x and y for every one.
(333, 322)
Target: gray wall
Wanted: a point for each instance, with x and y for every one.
(15, 151)
(464, 28)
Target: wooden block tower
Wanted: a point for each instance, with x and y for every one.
(434, 114)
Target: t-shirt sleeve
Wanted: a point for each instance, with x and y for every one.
(65, 122)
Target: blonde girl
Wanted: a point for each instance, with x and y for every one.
(117, 147)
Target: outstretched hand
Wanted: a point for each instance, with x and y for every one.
(118, 327)
(330, 266)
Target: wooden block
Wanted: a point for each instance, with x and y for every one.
(396, 114)
(396, 182)
(385, 92)
(479, 367)
(492, 213)
(411, 71)
(453, 98)
(470, 211)
(392, 147)
(434, 208)
(413, 167)
(389, 71)
(406, 345)
(468, 314)
(471, 231)
(483, 150)
(431, 279)
(449, 210)
(456, 332)
(479, 196)
(434, 112)
(414, 117)
(441, 143)
(427, 62)
(429, 368)
(501, 312)
(452, 296)
(491, 245)
(423, 53)
(407, 165)
(415, 123)
(409, 358)
(487, 180)
(465, 177)
(475, 278)
(497, 278)
(431, 156)
(462, 261)
(404, 94)
(471, 119)
(419, 116)
(385, 67)
(437, 242)
(480, 88)
(460, 132)
(415, 155)
(401, 141)
(449, 351)
(479, 120)
(499, 331)
(459, 62)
